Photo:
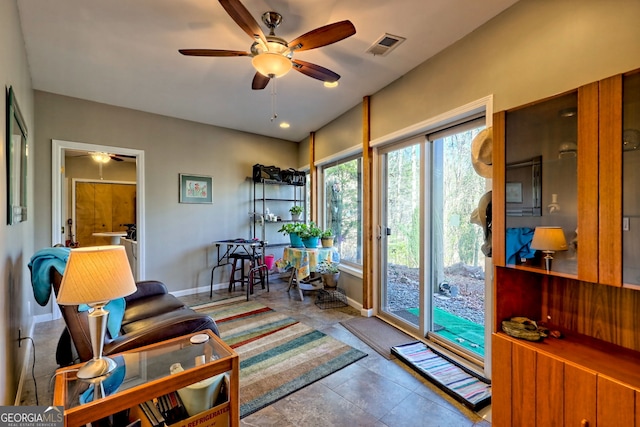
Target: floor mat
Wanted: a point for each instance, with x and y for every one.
(377, 334)
(458, 382)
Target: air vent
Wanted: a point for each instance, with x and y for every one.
(385, 44)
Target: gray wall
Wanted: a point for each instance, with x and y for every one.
(533, 50)
(178, 236)
(16, 241)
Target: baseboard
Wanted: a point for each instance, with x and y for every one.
(28, 349)
(206, 288)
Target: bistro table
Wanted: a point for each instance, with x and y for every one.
(303, 262)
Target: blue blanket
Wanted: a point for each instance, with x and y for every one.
(518, 244)
(40, 266)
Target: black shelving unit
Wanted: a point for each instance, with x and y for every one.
(275, 198)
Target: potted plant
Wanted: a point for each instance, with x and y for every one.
(310, 235)
(329, 272)
(295, 211)
(294, 230)
(327, 238)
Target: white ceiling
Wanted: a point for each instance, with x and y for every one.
(125, 53)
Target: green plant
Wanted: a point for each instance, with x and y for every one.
(327, 267)
(311, 230)
(293, 227)
(295, 209)
(327, 234)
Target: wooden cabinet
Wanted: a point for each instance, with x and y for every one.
(548, 390)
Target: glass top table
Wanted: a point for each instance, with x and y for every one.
(143, 374)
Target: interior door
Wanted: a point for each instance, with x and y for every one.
(102, 207)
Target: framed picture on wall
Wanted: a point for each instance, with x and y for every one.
(195, 188)
(16, 156)
(514, 192)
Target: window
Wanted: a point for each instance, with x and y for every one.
(342, 204)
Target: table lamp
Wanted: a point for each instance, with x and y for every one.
(548, 240)
(94, 276)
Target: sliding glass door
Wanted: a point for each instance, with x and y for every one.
(432, 269)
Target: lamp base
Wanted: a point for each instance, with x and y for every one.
(548, 259)
(95, 368)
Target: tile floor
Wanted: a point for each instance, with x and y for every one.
(371, 392)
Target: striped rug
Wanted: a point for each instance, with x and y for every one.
(457, 382)
(278, 355)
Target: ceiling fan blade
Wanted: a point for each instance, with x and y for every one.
(213, 52)
(116, 158)
(315, 71)
(259, 82)
(243, 18)
(323, 36)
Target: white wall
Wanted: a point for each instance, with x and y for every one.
(16, 241)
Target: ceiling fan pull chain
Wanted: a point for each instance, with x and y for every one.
(274, 113)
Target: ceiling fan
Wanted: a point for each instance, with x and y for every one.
(271, 55)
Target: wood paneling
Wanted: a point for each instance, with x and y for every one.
(588, 182)
(610, 146)
(498, 211)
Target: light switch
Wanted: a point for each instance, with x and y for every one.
(625, 223)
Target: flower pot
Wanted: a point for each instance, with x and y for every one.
(327, 242)
(330, 279)
(311, 242)
(295, 217)
(296, 241)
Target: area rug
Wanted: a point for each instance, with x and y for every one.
(452, 378)
(377, 334)
(278, 354)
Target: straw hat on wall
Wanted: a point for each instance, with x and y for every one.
(481, 153)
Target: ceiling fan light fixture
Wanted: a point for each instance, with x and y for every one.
(100, 157)
(331, 84)
(272, 65)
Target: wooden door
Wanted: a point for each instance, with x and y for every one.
(579, 396)
(102, 207)
(616, 403)
(549, 391)
(501, 381)
(523, 386)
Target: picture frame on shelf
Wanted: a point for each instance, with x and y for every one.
(195, 188)
(17, 161)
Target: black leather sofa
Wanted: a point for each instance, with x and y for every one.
(151, 315)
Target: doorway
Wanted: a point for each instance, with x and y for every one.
(60, 194)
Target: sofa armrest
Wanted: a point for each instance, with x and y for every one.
(147, 288)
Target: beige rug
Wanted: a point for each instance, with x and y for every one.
(377, 334)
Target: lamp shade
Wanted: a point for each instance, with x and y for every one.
(549, 239)
(96, 274)
(271, 64)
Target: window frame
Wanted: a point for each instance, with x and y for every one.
(321, 167)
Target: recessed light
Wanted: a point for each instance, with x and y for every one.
(331, 84)
(285, 125)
